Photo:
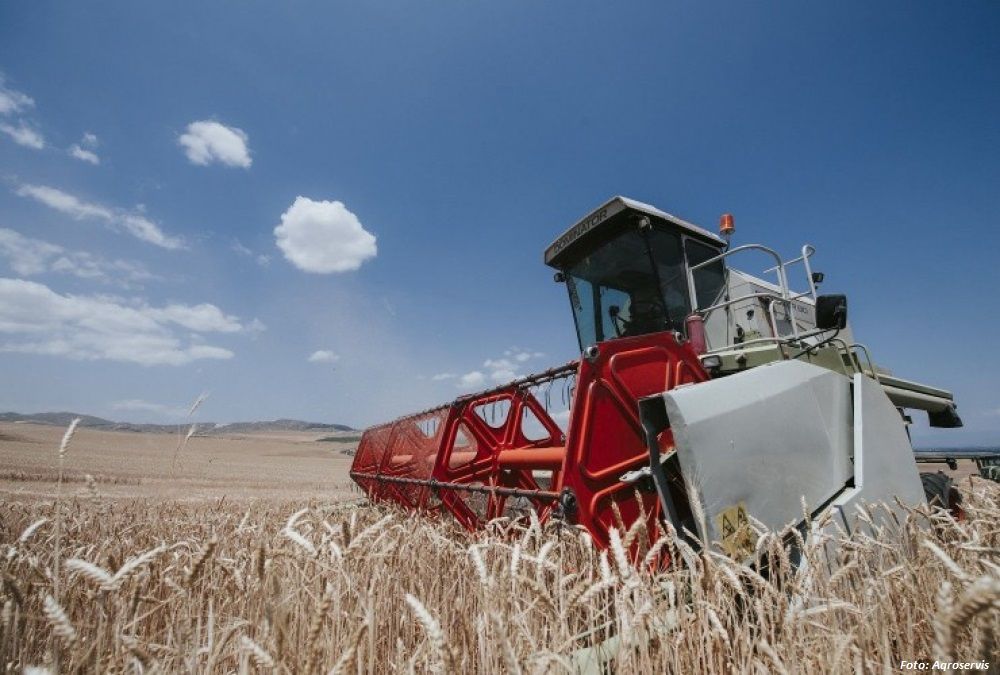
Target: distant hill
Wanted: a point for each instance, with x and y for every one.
(63, 419)
(281, 425)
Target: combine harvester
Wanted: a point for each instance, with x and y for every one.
(692, 374)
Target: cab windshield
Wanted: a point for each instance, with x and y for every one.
(631, 284)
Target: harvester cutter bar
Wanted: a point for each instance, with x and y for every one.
(544, 495)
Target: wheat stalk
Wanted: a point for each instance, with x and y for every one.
(58, 620)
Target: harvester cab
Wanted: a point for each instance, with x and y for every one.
(632, 269)
(627, 271)
(703, 396)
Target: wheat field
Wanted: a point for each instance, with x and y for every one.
(99, 584)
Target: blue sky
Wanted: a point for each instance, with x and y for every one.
(463, 137)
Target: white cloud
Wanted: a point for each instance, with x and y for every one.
(65, 202)
(22, 134)
(203, 318)
(473, 379)
(136, 224)
(260, 259)
(143, 228)
(323, 356)
(500, 370)
(255, 327)
(500, 364)
(521, 355)
(323, 237)
(238, 247)
(12, 101)
(28, 256)
(25, 255)
(207, 141)
(84, 150)
(84, 155)
(561, 418)
(138, 405)
(95, 327)
(503, 375)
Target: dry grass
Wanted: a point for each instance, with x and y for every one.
(98, 584)
(269, 465)
(344, 588)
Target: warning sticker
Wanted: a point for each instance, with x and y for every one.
(734, 527)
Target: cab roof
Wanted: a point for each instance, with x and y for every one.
(604, 214)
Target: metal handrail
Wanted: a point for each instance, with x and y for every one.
(786, 297)
(807, 252)
(782, 279)
(868, 356)
(855, 362)
(782, 282)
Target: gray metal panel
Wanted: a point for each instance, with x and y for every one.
(884, 466)
(765, 439)
(910, 385)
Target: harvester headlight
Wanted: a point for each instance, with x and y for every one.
(711, 362)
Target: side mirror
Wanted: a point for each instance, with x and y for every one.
(831, 312)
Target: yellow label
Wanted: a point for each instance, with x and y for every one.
(734, 527)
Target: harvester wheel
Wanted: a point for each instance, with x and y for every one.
(941, 492)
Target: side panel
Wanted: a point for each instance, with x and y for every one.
(606, 438)
(884, 463)
(760, 442)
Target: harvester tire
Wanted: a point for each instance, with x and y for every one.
(941, 491)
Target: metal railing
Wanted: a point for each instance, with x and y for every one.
(784, 295)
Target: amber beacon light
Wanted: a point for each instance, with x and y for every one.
(727, 225)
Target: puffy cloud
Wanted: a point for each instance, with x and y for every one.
(28, 256)
(84, 150)
(323, 237)
(207, 141)
(443, 376)
(93, 327)
(23, 134)
(135, 224)
(323, 356)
